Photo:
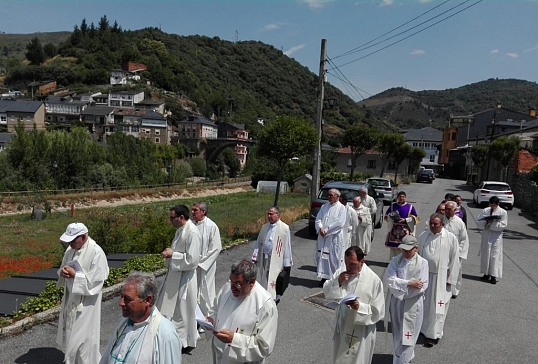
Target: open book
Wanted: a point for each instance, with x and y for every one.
(333, 305)
(492, 217)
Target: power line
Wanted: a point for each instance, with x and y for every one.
(390, 31)
(409, 36)
(345, 81)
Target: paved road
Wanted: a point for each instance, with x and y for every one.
(486, 324)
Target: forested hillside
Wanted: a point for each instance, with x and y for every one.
(410, 109)
(240, 81)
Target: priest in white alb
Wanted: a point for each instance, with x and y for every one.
(178, 294)
(350, 226)
(407, 280)
(143, 335)
(330, 222)
(211, 247)
(355, 329)
(440, 248)
(363, 234)
(83, 271)
(272, 253)
(457, 227)
(245, 319)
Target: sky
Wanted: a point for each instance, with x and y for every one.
(486, 39)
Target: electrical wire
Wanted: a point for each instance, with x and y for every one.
(359, 48)
(411, 35)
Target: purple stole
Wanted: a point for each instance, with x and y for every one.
(399, 230)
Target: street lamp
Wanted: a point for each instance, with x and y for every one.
(55, 166)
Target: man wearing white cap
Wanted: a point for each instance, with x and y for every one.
(407, 280)
(83, 271)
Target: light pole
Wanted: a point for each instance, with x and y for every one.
(319, 121)
(55, 166)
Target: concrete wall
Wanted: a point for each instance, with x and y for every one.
(525, 193)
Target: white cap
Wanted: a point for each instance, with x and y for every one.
(408, 242)
(73, 230)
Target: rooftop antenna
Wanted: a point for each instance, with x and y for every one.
(236, 36)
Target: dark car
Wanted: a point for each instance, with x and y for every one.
(426, 175)
(351, 189)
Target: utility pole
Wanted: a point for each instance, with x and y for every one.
(319, 120)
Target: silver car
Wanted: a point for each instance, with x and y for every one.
(351, 189)
(385, 186)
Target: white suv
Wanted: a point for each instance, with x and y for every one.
(487, 189)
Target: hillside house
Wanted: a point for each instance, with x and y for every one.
(63, 109)
(429, 140)
(31, 113)
(41, 88)
(197, 127)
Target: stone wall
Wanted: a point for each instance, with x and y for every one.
(525, 193)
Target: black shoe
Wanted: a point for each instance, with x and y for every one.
(187, 350)
(493, 280)
(454, 296)
(428, 344)
(485, 278)
(322, 282)
(277, 301)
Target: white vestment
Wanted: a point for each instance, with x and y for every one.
(205, 273)
(441, 251)
(274, 241)
(79, 326)
(332, 218)
(491, 247)
(406, 304)
(363, 234)
(369, 202)
(457, 227)
(349, 229)
(177, 296)
(153, 341)
(355, 330)
(254, 321)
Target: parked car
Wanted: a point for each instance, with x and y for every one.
(426, 175)
(385, 186)
(488, 189)
(351, 189)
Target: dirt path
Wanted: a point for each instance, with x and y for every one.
(110, 199)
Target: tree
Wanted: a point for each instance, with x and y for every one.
(479, 155)
(50, 50)
(505, 150)
(35, 53)
(231, 161)
(284, 139)
(401, 153)
(360, 139)
(198, 166)
(415, 157)
(388, 144)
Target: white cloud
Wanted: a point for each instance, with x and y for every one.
(418, 52)
(316, 4)
(494, 51)
(271, 26)
(535, 48)
(425, 1)
(292, 50)
(386, 2)
(512, 55)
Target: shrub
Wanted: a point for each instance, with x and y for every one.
(198, 166)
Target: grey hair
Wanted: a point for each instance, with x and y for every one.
(277, 210)
(439, 216)
(145, 285)
(452, 204)
(202, 206)
(335, 191)
(363, 189)
(245, 267)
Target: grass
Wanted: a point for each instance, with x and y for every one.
(28, 245)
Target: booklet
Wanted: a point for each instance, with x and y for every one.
(333, 305)
(200, 318)
(492, 217)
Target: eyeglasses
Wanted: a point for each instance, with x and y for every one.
(237, 284)
(330, 195)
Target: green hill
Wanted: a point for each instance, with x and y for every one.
(415, 109)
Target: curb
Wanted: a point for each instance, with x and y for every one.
(53, 313)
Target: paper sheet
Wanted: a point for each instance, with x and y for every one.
(333, 305)
(200, 318)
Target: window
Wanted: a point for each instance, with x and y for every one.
(453, 136)
(3, 118)
(157, 132)
(157, 140)
(432, 158)
(134, 129)
(371, 164)
(125, 129)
